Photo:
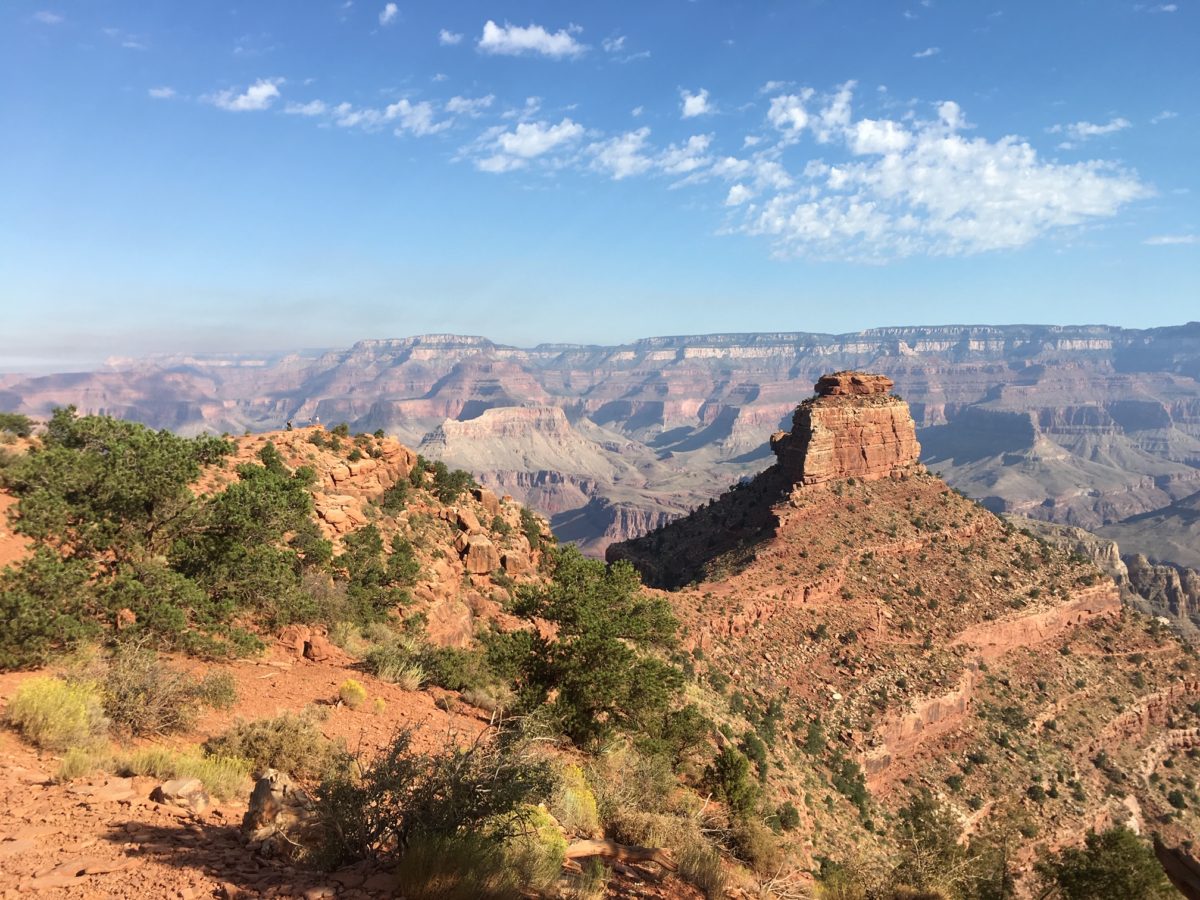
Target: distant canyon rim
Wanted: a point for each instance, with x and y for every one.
(1090, 426)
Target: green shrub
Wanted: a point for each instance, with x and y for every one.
(1114, 863)
(290, 743)
(56, 715)
(456, 867)
(789, 816)
(44, 605)
(224, 777)
(16, 424)
(755, 844)
(77, 762)
(599, 665)
(729, 778)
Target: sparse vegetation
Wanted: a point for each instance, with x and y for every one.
(289, 743)
(55, 714)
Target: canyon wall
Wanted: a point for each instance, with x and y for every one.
(1085, 425)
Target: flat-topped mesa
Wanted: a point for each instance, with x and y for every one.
(853, 428)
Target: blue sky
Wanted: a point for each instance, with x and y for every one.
(209, 177)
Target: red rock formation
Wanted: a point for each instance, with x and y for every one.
(853, 428)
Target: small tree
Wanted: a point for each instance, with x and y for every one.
(598, 664)
(730, 779)
(1114, 863)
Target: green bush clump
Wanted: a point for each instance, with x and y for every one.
(115, 524)
(16, 424)
(601, 664)
(289, 743)
(729, 778)
(1113, 863)
(55, 714)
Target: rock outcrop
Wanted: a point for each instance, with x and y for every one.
(1170, 591)
(853, 428)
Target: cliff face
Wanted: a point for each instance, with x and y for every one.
(853, 428)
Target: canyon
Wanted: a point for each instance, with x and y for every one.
(1090, 426)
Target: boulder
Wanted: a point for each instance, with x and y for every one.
(467, 521)
(488, 500)
(481, 556)
(188, 793)
(516, 563)
(281, 817)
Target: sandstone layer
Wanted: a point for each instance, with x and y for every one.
(853, 428)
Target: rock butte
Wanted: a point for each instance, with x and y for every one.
(853, 428)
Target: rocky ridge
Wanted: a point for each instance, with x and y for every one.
(931, 643)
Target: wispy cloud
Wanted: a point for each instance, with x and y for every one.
(309, 109)
(472, 107)
(1156, 7)
(161, 93)
(693, 105)
(614, 44)
(515, 40)
(389, 14)
(927, 52)
(257, 97)
(449, 38)
(1172, 240)
(46, 17)
(1082, 131)
(1164, 116)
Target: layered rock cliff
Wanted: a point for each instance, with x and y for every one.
(853, 428)
(916, 640)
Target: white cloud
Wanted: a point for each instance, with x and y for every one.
(772, 86)
(414, 118)
(613, 44)
(1157, 7)
(161, 93)
(1164, 116)
(449, 38)
(788, 112)
(738, 194)
(1172, 240)
(927, 52)
(1081, 131)
(637, 111)
(46, 17)
(530, 139)
(692, 105)
(688, 157)
(622, 156)
(311, 108)
(389, 14)
(514, 40)
(879, 136)
(509, 150)
(258, 96)
(471, 107)
(922, 189)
